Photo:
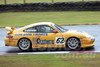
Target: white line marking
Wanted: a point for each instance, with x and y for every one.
(30, 53)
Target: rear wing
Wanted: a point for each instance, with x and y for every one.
(10, 30)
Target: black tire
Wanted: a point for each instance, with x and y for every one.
(24, 44)
(73, 43)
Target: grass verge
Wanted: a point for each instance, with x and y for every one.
(61, 18)
(63, 60)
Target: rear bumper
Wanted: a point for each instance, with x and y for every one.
(10, 42)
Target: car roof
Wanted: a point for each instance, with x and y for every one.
(42, 23)
(35, 24)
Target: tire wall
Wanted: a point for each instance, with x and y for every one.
(59, 6)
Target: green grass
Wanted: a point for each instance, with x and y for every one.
(65, 60)
(34, 1)
(63, 18)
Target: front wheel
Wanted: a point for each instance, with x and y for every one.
(73, 44)
(24, 44)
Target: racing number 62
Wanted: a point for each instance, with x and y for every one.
(60, 40)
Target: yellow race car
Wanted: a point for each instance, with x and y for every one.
(47, 35)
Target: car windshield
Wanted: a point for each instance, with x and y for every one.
(59, 28)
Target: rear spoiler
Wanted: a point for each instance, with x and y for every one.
(10, 30)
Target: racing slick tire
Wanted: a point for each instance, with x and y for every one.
(73, 43)
(24, 44)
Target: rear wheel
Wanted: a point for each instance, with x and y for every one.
(24, 44)
(73, 44)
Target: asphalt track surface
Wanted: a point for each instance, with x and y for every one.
(93, 30)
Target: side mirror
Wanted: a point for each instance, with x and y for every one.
(54, 31)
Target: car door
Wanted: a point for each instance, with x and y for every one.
(47, 38)
(32, 34)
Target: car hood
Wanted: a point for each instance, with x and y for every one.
(72, 31)
(80, 32)
(75, 31)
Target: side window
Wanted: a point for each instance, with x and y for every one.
(44, 29)
(32, 29)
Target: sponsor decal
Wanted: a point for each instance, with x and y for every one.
(34, 41)
(60, 40)
(27, 34)
(13, 39)
(18, 34)
(39, 41)
(45, 34)
(30, 34)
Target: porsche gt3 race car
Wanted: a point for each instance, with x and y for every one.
(47, 35)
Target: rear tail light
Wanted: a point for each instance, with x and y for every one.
(9, 36)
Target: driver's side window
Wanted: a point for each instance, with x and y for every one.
(40, 29)
(44, 29)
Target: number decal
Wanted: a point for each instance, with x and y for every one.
(60, 40)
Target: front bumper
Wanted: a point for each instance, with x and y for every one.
(86, 42)
(87, 45)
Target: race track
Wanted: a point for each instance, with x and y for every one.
(93, 30)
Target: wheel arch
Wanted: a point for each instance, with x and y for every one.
(73, 37)
(77, 48)
(24, 38)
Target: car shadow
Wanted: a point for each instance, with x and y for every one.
(17, 50)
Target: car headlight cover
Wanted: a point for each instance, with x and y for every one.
(87, 35)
